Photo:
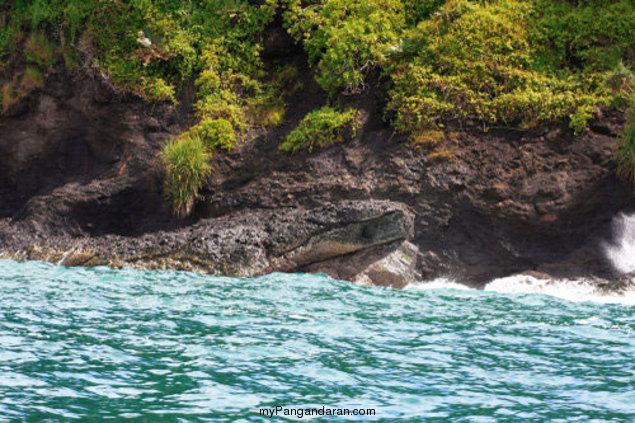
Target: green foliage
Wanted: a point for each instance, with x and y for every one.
(453, 62)
(324, 127)
(223, 104)
(187, 168)
(184, 38)
(346, 38)
(216, 133)
(474, 62)
(32, 79)
(621, 81)
(40, 50)
(576, 35)
(11, 95)
(417, 10)
(626, 149)
(158, 90)
(4, 43)
(580, 118)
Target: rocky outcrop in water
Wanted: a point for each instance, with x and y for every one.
(81, 184)
(371, 234)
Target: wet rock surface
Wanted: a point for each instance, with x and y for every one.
(81, 184)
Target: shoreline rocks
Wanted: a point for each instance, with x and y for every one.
(81, 184)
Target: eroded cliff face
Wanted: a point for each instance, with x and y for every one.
(81, 184)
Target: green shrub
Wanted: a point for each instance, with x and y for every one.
(417, 10)
(158, 90)
(474, 62)
(580, 118)
(266, 108)
(208, 82)
(187, 168)
(223, 104)
(620, 79)
(346, 38)
(270, 115)
(574, 35)
(508, 62)
(324, 127)
(216, 133)
(626, 149)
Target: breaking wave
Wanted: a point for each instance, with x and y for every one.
(621, 253)
(567, 289)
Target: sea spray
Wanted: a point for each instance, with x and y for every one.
(566, 289)
(621, 252)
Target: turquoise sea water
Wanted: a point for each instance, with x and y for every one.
(91, 344)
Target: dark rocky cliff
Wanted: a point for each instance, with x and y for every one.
(81, 183)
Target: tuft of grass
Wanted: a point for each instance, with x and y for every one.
(40, 50)
(268, 115)
(187, 168)
(288, 80)
(71, 59)
(621, 78)
(11, 95)
(324, 127)
(626, 149)
(32, 79)
(428, 138)
(443, 154)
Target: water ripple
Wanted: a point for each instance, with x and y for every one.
(99, 343)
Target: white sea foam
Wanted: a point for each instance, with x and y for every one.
(622, 251)
(439, 283)
(567, 289)
(571, 290)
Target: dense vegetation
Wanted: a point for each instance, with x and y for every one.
(455, 62)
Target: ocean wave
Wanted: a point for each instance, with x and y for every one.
(567, 289)
(439, 283)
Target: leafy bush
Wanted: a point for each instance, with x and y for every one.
(158, 90)
(417, 10)
(223, 104)
(187, 168)
(346, 38)
(626, 149)
(324, 127)
(583, 35)
(474, 62)
(621, 81)
(580, 118)
(216, 133)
